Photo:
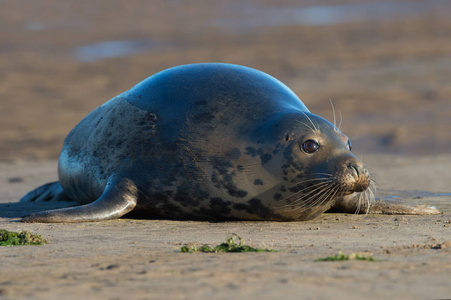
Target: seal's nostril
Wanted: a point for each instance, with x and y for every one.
(354, 170)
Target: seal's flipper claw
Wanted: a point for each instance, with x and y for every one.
(393, 208)
(51, 191)
(119, 198)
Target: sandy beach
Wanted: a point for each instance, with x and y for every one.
(385, 65)
(141, 259)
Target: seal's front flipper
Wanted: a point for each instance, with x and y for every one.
(393, 208)
(48, 192)
(120, 197)
(357, 203)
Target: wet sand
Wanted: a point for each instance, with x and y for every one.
(388, 74)
(388, 77)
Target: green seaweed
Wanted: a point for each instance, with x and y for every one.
(234, 243)
(10, 238)
(353, 256)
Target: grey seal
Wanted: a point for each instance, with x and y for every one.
(205, 141)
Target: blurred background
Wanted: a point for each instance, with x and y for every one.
(386, 65)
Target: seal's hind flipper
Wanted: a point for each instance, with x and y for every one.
(51, 191)
(119, 198)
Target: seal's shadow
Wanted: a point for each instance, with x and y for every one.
(15, 210)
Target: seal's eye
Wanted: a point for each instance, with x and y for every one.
(349, 145)
(310, 146)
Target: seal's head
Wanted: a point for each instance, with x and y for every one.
(318, 168)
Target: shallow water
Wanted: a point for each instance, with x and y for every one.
(248, 17)
(416, 195)
(113, 49)
(442, 201)
(251, 17)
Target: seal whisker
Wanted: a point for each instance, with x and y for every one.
(312, 198)
(359, 204)
(327, 174)
(322, 180)
(318, 186)
(368, 201)
(333, 111)
(341, 119)
(331, 195)
(309, 203)
(373, 184)
(322, 196)
(325, 194)
(365, 199)
(311, 194)
(304, 203)
(310, 180)
(313, 187)
(329, 178)
(371, 197)
(308, 126)
(316, 129)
